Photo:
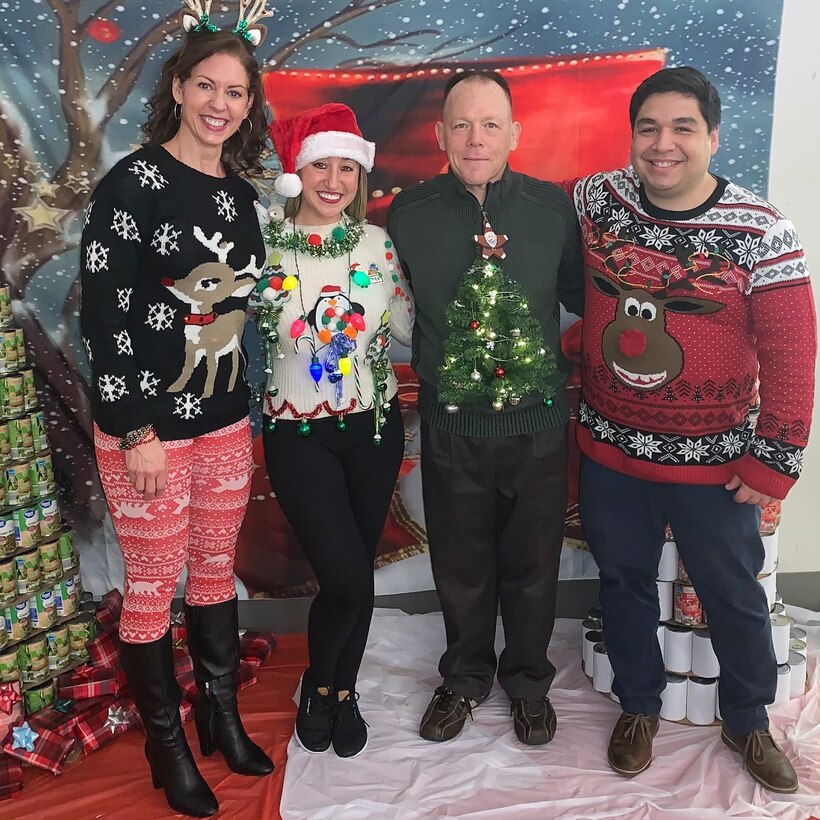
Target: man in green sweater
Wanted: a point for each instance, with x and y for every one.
(493, 472)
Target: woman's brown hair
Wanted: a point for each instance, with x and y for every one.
(241, 152)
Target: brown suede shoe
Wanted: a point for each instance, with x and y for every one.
(630, 747)
(763, 759)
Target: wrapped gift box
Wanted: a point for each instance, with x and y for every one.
(105, 723)
(88, 682)
(11, 777)
(256, 647)
(104, 650)
(64, 721)
(48, 748)
(109, 611)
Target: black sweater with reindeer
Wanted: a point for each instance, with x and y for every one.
(168, 259)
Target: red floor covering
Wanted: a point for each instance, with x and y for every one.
(114, 782)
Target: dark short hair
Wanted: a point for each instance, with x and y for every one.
(684, 80)
(482, 74)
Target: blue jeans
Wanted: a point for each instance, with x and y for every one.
(719, 541)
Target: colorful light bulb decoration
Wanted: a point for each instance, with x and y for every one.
(297, 328)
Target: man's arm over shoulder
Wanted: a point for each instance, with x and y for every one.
(403, 220)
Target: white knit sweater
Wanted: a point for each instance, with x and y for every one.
(325, 285)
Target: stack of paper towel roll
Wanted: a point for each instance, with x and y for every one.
(692, 668)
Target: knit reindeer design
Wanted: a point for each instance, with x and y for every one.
(636, 344)
(210, 335)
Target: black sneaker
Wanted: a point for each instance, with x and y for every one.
(349, 727)
(314, 720)
(446, 714)
(534, 720)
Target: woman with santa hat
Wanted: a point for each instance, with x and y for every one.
(331, 299)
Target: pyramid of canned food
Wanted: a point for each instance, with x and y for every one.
(692, 668)
(43, 633)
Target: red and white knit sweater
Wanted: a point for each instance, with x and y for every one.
(685, 312)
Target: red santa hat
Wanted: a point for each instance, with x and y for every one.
(327, 131)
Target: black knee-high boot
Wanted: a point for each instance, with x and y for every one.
(213, 638)
(149, 668)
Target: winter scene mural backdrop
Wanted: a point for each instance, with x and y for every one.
(74, 79)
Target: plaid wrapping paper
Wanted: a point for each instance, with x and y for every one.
(109, 611)
(88, 682)
(11, 777)
(245, 677)
(256, 647)
(49, 750)
(64, 722)
(108, 721)
(104, 650)
(183, 664)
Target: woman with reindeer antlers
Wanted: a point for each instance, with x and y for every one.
(171, 251)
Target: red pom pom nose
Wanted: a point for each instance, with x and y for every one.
(632, 343)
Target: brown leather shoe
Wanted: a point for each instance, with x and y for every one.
(763, 759)
(630, 747)
(446, 714)
(533, 719)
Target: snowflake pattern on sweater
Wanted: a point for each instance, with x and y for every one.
(168, 259)
(690, 318)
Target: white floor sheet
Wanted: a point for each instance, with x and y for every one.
(487, 773)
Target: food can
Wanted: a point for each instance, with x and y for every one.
(80, 633)
(6, 313)
(8, 339)
(18, 484)
(33, 659)
(39, 697)
(5, 443)
(4, 635)
(66, 545)
(50, 561)
(8, 579)
(20, 339)
(13, 398)
(683, 575)
(27, 527)
(78, 582)
(57, 638)
(65, 598)
(4, 489)
(29, 389)
(50, 521)
(20, 438)
(687, 607)
(9, 666)
(29, 572)
(39, 431)
(41, 472)
(18, 622)
(42, 610)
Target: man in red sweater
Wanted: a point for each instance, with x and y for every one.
(696, 289)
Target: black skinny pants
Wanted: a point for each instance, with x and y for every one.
(335, 488)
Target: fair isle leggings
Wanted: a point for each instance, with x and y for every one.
(195, 522)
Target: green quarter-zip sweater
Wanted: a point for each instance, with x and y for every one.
(432, 226)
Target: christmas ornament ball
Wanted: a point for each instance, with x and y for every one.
(475, 376)
(498, 405)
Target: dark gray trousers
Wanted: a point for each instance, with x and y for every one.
(495, 510)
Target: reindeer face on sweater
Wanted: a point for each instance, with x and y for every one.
(636, 344)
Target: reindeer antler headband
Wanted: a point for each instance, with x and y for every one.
(197, 18)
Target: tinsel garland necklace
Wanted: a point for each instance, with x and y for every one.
(495, 350)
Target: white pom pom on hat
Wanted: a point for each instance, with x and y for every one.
(330, 130)
(288, 185)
